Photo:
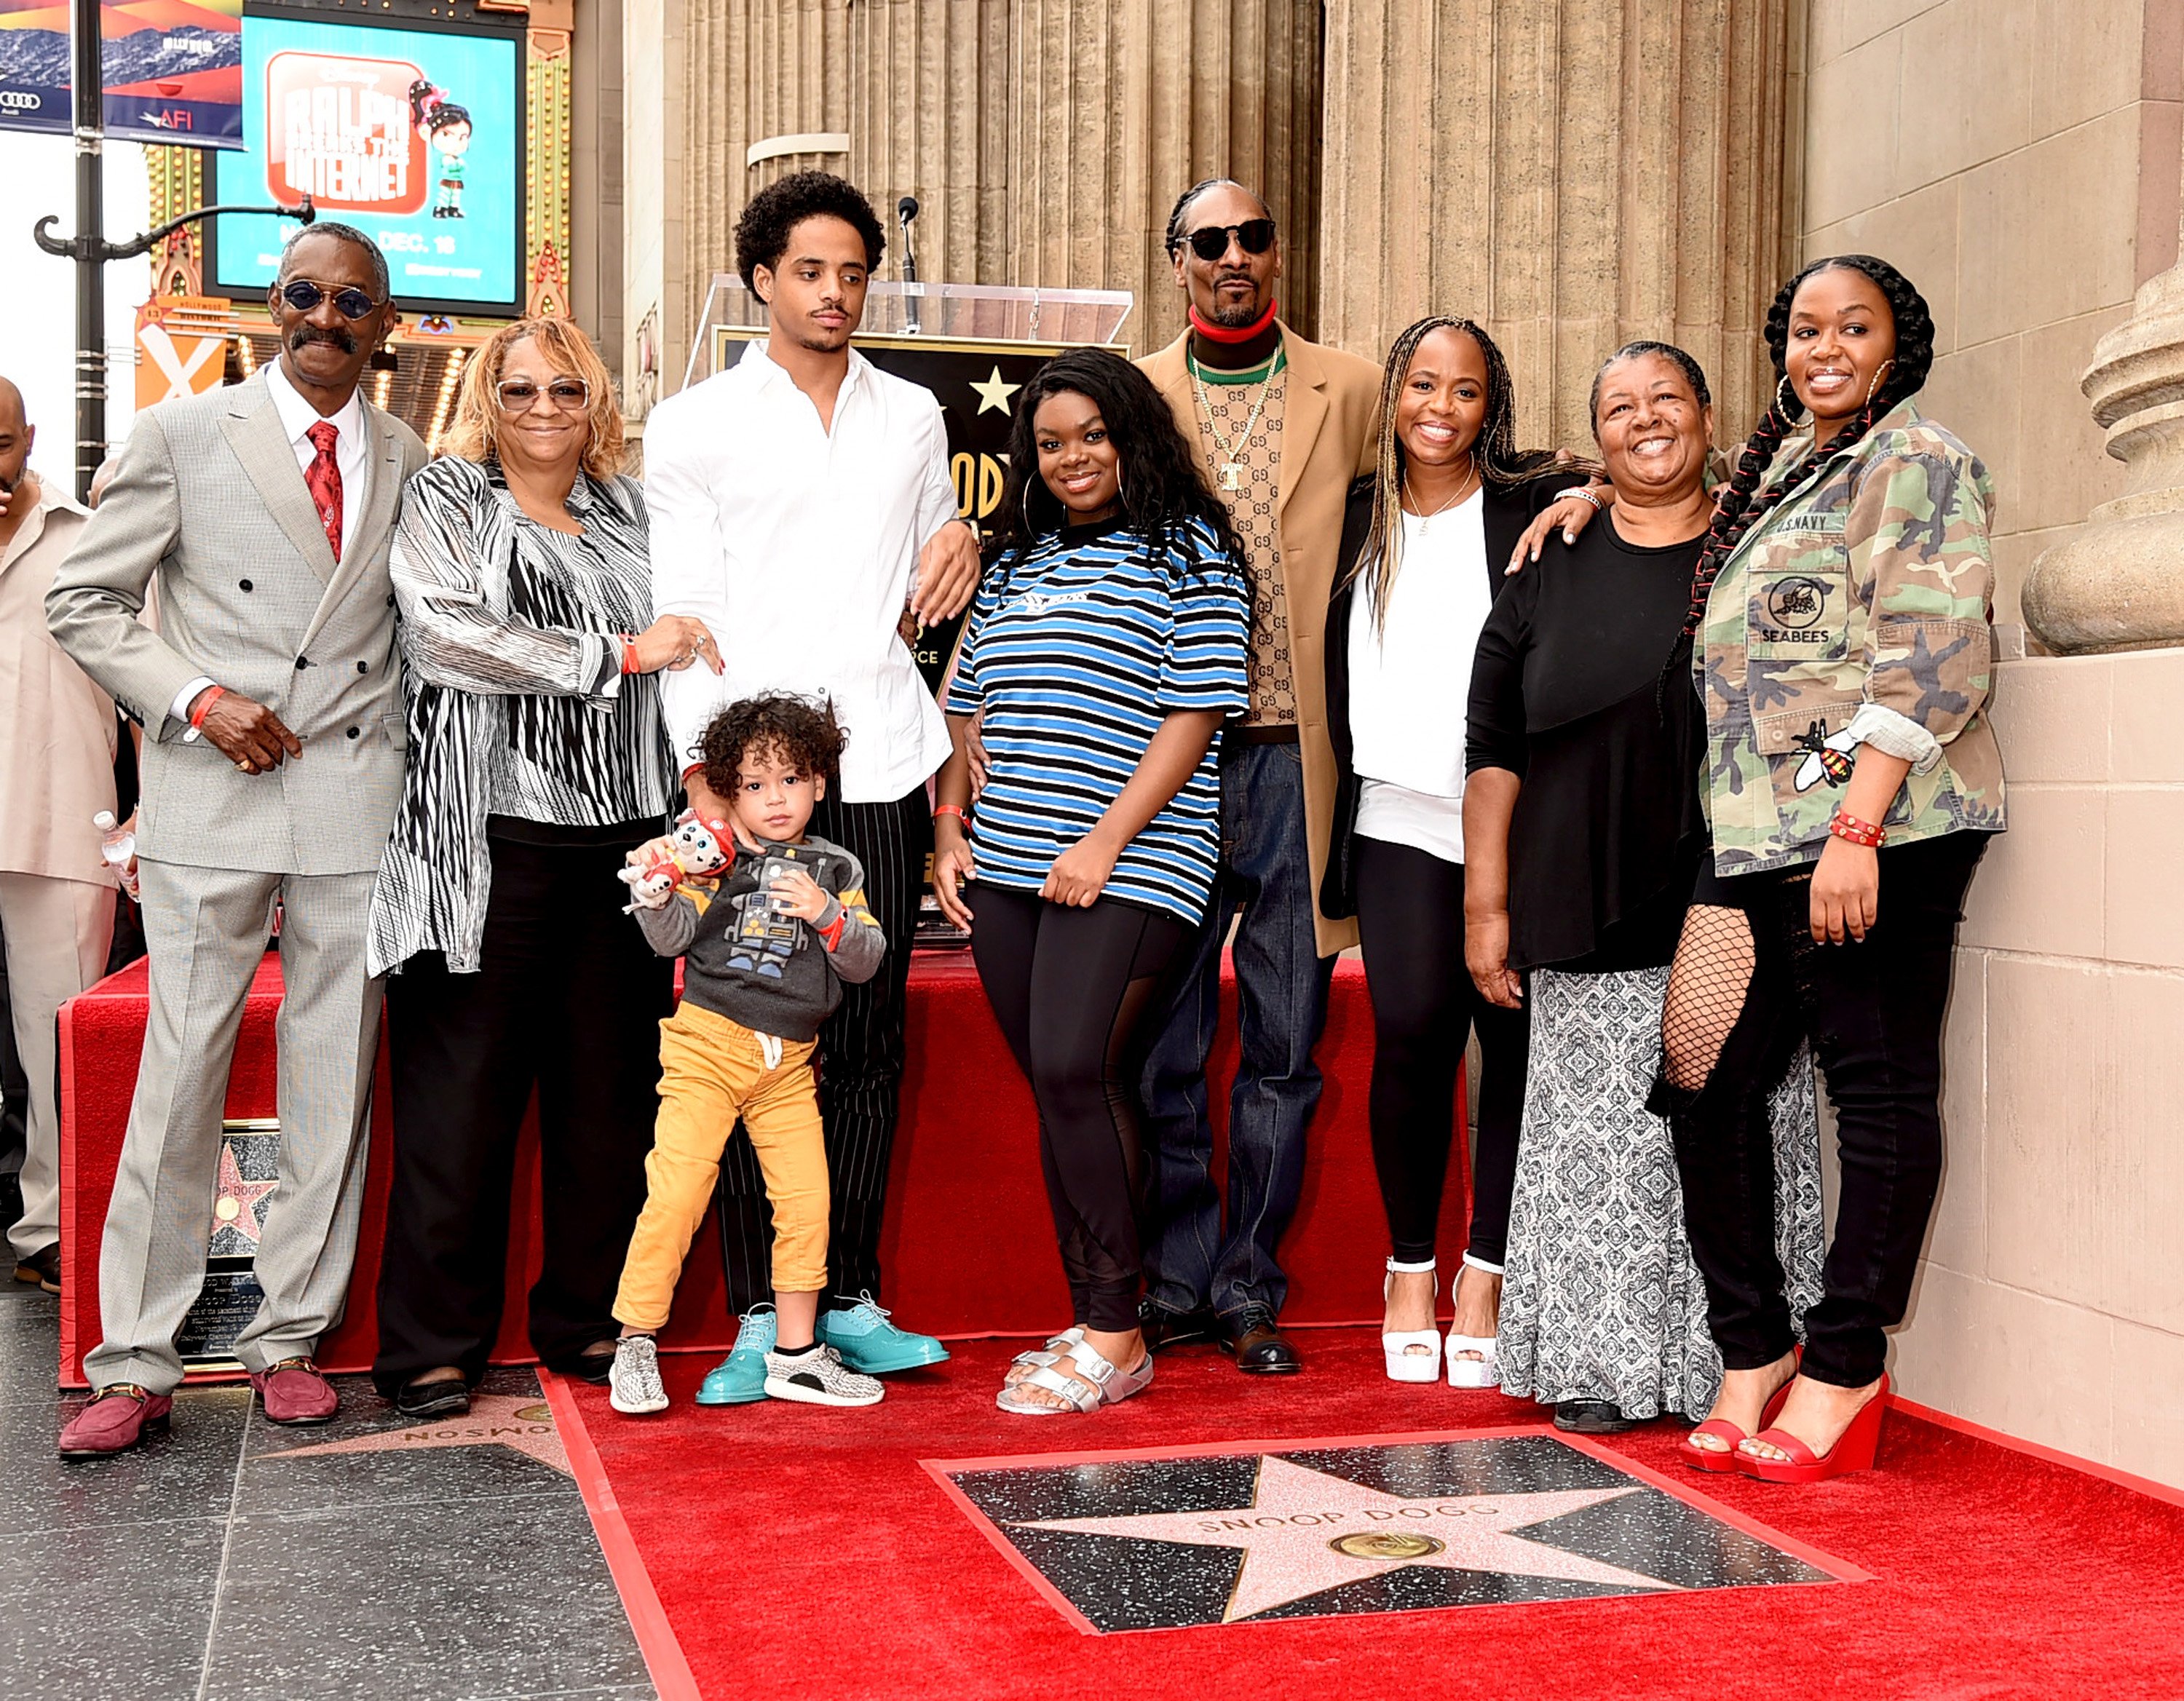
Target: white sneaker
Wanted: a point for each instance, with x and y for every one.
(819, 1378)
(634, 1384)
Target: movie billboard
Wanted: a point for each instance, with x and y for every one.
(172, 69)
(415, 136)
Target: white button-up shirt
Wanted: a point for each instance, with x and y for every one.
(797, 548)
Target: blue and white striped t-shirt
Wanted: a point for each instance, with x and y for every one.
(1077, 648)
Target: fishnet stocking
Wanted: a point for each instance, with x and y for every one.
(1707, 985)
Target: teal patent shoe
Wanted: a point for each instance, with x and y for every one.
(867, 1342)
(739, 1380)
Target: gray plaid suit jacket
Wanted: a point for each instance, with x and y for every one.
(209, 498)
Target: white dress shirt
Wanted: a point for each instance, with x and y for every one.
(1410, 678)
(351, 458)
(797, 548)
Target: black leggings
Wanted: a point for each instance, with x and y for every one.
(1748, 985)
(1410, 921)
(1069, 987)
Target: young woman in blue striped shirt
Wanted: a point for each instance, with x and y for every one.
(1105, 649)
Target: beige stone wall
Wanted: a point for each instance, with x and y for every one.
(2019, 159)
(1571, 173)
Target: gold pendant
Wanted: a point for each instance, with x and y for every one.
(1231, 478)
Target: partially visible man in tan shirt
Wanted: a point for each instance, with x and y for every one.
(57, 895)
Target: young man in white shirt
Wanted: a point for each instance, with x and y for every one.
(800, 503)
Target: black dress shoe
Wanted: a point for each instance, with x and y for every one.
(1257, 1344)
(1592, 1417)
(441, 1397)
(43, 1267)
(1163, 1328)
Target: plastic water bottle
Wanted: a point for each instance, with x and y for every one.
(118, 845)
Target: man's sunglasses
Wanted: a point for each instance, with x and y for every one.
(350, 302)
(1210, 242)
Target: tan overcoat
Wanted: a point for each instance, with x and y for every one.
(56, 752)
(1327, 442)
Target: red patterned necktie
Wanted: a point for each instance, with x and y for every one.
(323, 476)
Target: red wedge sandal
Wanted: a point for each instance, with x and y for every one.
(1854, 1450)
(1705, 1458)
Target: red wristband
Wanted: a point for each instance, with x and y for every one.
(1845, 825)
(628, 653)
(211, 695)
(955, 810)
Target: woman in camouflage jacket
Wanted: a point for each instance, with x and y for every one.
(1843, 657)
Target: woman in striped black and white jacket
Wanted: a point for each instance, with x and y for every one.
(1105, 650)
(536, 760)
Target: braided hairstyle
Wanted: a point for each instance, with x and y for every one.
(1161, 484)
(1741, 503)
(1498, 462)
(1174, 239)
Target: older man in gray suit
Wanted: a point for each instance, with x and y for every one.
(272, 763)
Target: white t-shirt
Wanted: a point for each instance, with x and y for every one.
(1410, 677)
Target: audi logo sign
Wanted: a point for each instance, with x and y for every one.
(20, 100)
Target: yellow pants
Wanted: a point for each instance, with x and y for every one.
(711, 1072)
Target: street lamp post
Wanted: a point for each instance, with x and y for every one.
(89, 247)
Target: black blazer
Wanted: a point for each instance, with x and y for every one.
(1508, 512)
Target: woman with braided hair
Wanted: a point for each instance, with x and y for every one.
(1842, 653)
(1425, 542)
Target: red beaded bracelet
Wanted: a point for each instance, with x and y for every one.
(1845, 826)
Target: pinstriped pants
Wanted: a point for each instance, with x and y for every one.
(206, 931)
(861, 1057)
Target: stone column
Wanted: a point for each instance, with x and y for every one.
(2117, 583)
(1571, 173)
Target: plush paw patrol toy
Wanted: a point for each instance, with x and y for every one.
(653, 869)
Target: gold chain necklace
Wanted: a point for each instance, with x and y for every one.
(1231, 454)
(1470, 483)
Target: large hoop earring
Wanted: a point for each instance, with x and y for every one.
(1887, 371)
(1030, 531)
(1782, 404)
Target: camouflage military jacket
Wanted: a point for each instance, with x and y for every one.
(1856, 613)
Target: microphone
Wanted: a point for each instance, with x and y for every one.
(905, 209)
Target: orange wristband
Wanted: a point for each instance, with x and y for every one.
(955, 810)
(204, 702)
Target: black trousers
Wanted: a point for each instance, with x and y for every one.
(1874, 1014)
(569, 999)
(1069, 989)
(861, 1057)
(1425, 1007)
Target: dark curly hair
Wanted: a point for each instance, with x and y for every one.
(1741, 504)
(763, 232)
(1161, 484)
(795, 730)
(1500, 463)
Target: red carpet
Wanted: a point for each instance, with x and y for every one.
(795, 1551)
(966, 1248)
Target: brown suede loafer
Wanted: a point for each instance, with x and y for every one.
(294, 1392)
(114, 1419)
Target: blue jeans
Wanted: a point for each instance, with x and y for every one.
(1281, 986)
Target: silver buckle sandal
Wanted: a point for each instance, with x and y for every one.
(1099, 1381)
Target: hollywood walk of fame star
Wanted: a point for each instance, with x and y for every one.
(1306, 1532)
(235, 1203)
(516, 1420)
(994, 394)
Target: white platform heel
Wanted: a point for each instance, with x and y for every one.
(1483, 1372)
(1414, 1355)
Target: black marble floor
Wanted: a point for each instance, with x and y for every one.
(234, 1559)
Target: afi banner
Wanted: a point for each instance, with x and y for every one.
(173, 70)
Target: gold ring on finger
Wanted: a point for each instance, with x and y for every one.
(242, 767)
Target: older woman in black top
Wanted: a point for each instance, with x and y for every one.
(1582, 818)
(536, 759)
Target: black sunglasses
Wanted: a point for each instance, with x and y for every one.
(304, 296)
(1210, 242)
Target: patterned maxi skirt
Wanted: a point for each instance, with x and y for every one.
(1601, 1300)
